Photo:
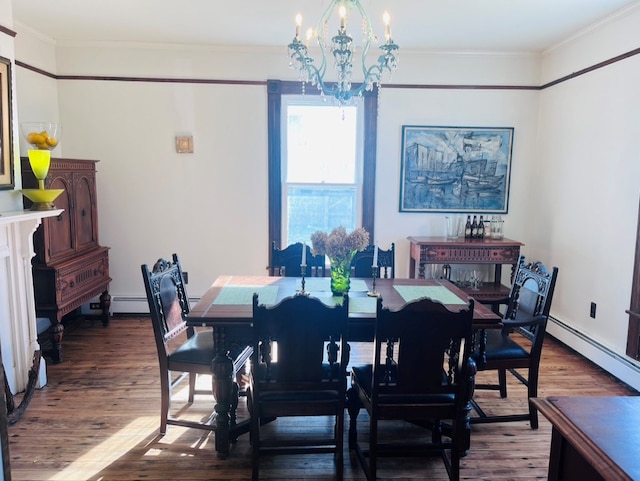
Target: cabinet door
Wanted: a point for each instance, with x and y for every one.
(85, 212)
(58, 229)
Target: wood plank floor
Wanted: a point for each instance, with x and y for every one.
(97, 419)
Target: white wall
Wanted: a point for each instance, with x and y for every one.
(590, 170)
(574, 189)
(216, 198)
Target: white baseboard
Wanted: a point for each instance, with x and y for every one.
(135, 305)
(622, 367)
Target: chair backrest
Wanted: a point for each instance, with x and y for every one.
(422, 348)
(168, 301)
(286, 262)
(530, 299)
(363, 260)
(300, 326)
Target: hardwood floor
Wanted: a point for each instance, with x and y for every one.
(97, 419)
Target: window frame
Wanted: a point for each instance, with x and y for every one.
(275, 90)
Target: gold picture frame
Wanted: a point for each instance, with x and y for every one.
(6, 143)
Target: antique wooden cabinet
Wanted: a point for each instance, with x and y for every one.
(441, 250)
(70, 267)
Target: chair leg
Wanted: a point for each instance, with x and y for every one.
(165, 398)
(502, 381)
(255, 447)
(532, 391)
(192, 385)
(339, 440)
(353, 406)
(373, 450)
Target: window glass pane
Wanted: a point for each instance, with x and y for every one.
(321, 144)
(322, 208)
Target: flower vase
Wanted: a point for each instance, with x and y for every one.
(340, 276)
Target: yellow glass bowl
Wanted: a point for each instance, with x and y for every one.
(42, 198)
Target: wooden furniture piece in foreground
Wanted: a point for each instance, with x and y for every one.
(593, 438)
(406, 381)
(291, 377)
(440, 250)
(70, 267)
(226, 306)
(527, 313)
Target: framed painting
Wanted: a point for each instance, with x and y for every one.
(455, 169)
(6, 144)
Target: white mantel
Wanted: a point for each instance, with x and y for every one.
(18, 334)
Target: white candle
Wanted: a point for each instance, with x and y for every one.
(298, 25)
(342, 12)
(375, 256)
(387, 26)
(304, 254)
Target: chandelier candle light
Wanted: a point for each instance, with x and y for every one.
(341, 47)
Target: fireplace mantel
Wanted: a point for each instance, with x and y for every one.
(18, 333)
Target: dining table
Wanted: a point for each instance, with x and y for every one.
(227, 308)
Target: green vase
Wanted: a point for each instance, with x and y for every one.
(340, 276)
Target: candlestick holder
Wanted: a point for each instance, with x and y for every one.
(374, 275)
(303, 271)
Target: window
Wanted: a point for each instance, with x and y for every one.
(365, 199)
(321, 167)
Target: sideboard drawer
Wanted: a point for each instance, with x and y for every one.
(75, 279)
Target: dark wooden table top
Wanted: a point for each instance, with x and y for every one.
(604, 430)
(212, 311)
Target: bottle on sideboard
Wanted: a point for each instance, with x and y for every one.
(467, 228)
(480, 233)
(474, 227)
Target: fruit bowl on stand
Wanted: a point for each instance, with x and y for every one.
(42, 138)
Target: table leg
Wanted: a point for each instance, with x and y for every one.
(222, 379)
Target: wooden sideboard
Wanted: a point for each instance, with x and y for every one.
(441, 250)
(70, 267)
(593, 438)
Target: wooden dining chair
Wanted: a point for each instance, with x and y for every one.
(298, 368)
(182, 352)
(498, 350)
(286, 262)
(421, 373)
(363, 261)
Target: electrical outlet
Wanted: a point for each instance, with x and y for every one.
(185, 276)
(592, 312)
(94, 305)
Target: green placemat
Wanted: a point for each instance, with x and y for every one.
(243, 295)
(323, 284)
(438, 293)
(357, 305)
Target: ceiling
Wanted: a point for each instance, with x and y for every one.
(468, 25)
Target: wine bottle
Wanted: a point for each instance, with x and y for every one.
(474, 227)
(467, 228)
(481, 228)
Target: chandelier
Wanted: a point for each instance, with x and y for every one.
(341, 47)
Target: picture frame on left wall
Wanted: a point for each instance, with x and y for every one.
(6, 143)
